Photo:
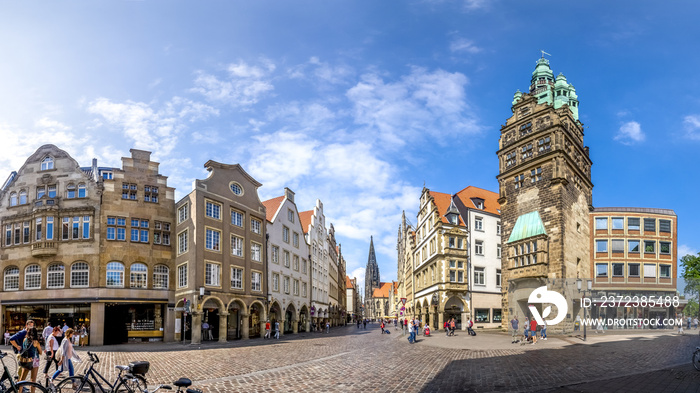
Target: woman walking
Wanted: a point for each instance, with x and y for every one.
(31, 350)
(51, 348)
(66, 356)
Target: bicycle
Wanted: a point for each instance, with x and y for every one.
(696, 358)
(8, 384)
(133, 381)
(182, 383)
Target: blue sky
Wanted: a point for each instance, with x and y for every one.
(358, 103)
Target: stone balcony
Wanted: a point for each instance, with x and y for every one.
(530, 271)
(44, 249)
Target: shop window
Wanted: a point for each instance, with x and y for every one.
(161, 275)
(138, 275)
(12, 278)
(56, 276)
(497, 315)
(115, 275)
(482, 315)
(79, 275)
(32, 277)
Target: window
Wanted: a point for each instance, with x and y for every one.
(618, 269)
(182, 242)
(526, 151)
(633, 223)
(38, 230)
(70, 191)
(115, 275)
(510, 159)
(82, 190)
(46, 164)
(295, 239)
(601, 223)
(519, 181)
(182, 276)
(8, 235)
(138, 274)
(303, 289)
(275, 254)
(212, 274)
(255, 226)
(295, 264)
(236, 246)
(601, 246)
(535, 175)
(76, 228)
(161, 233)
(478, 223)
(544, 144)
(236, 189)
(649, 270)
(618, 223)
(479, 247)
(453, 276)
(56, 276)
(617, 245)
(451, 242)
(290, 215)
(482, 315)
(296, 288)
(649, 246)
(460, 243)
(633, 269)
(236, 278)
(12, 278)
(498, 277)
(525, 128)
(237, 218)
(498, 228)
(40, 192)
(52, 191)
(86, 227)
(150, 194)
(633, 245)
(79, 275)
(212, 241)
(665, 226)
(255, 283)
(13, 199)
(303, 266)
(255, 252)
(285, 284)
(23, 197)
(498, 251)
(107, 175)
(161, 277)
(212, 210)
(601, 270)
(32, 277)
(665, 271)
(649, 225)
(664, 247)
(275, 282)
(182, 213)
(286, 258)
(285, 234)
(25, 233)
(129, 191)
(479, 276)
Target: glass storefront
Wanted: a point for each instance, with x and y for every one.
(15, 317)
(133, 322)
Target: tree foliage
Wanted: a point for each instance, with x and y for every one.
(691, 309)
(690, 271)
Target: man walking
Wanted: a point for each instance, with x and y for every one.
(277, 330)
(48, 330)
(267, 329)
(514, 326)
(411, 333)
(533, 330)
(328, 327)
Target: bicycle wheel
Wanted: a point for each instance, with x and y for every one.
(75, 384)
(132, 384)
(696, 360)
(29, 386)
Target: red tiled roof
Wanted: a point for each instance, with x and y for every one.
(383, 290)
(443, 201)
(490, 198)
(348, 282)
(305, 220)
(271, 207)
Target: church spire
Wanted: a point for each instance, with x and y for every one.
(371, 272)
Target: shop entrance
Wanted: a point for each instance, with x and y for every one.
(115, 331)
(211, 317)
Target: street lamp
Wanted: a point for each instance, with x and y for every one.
(589, 285)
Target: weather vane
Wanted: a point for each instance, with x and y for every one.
(544, 53)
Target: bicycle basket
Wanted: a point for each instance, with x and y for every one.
(139, 368)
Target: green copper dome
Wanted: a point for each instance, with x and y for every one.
(527, 225)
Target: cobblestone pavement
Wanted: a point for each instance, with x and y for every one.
(349, 360)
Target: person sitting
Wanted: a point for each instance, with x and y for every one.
(426, 331)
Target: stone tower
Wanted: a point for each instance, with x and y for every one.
(545, 194)
(371, 273)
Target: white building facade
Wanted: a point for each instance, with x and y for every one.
(313, 223)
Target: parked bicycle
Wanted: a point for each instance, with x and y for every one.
(130, 379)
(184, 383)
(696, 358)
(8, 384)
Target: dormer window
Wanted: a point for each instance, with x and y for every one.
(478, 203)
(47, 163)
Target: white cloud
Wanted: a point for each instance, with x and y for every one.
(359, 273)
(630, 133)
(692, 127)
(421, 104)
(684, 250)
(157, 130)
(321, 73)
(464, 45)
(244, 85)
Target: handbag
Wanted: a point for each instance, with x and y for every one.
(25, 362)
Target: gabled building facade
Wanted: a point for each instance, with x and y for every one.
(313, 224)
(288, 264)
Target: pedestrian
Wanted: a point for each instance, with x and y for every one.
(51, 348)
(364, 324)
(453, 325)
(328, 327)
(66, 356)
(543, 333)
(84, 336)
(358, 323)
(514, 328)
(526, 330)
(277, 330)
(267, 329)
(382, 327)
(680, 328)
(48, 330)
(29, 357)
(411, 333)
(695, 323)
(395, 324)
(533, 330)
(599, 326)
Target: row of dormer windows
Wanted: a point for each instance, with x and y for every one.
(72, 191)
